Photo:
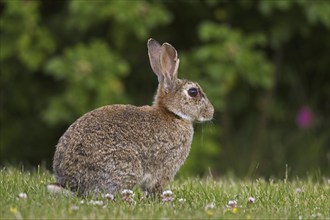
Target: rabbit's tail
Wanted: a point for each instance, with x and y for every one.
(56, 188)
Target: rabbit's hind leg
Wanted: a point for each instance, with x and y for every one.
(123, 170)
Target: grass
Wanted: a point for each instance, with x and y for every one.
(193, 199)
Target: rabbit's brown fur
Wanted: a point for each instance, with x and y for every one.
(121, 146)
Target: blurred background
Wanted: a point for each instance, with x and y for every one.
(263, 64)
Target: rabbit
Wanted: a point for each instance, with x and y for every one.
(118, 147)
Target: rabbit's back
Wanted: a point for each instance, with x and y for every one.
(119, 146)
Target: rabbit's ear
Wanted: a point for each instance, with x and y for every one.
(154, 52)
(169, 63)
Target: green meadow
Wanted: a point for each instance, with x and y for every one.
(24, 195)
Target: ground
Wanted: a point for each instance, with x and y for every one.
(24, 196)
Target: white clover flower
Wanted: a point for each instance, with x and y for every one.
(299, 190)
(95, 202)
(232, 204)
(74, 207)
(251, 199)
(22, 195)
(57, 189)
(98, 203)
(167, 196)
(167, 193)
(182, 200)
(108, 196)
(128, 195)
(127, 192)
(209, 206)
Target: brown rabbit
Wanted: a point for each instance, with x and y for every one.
(120, 146)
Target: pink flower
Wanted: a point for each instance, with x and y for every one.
(304, 117)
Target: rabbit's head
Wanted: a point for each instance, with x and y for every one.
(183, 98)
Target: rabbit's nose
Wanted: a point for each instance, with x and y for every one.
(208, 112)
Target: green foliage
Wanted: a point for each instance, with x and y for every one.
(200, 199)
(312, 13)
(259, 62)
(315, 11)
(225, 58)
(22, 35)
(125, 17)
(81, 69)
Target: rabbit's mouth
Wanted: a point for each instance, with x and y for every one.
(202, 119)
(206, 115)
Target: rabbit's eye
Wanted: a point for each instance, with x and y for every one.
(193, 92)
